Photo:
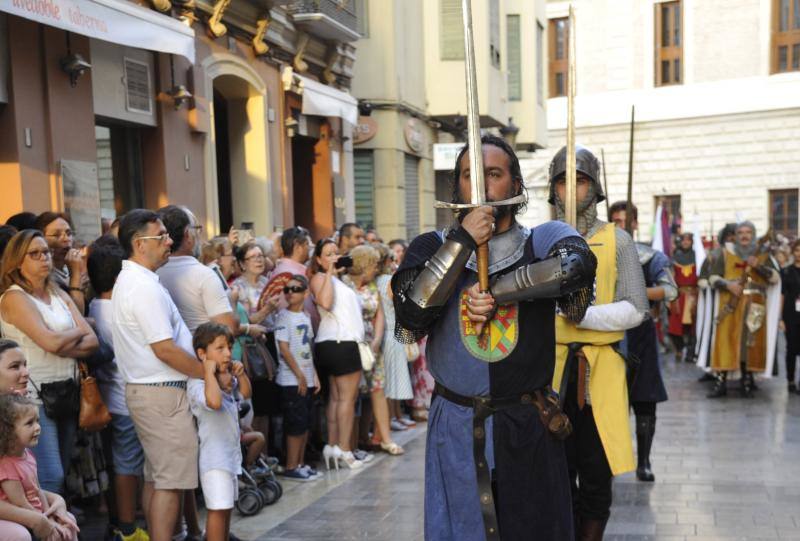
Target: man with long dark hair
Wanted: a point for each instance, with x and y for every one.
(494, 427)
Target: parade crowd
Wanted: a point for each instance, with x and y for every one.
(247, 360)
(222, 364)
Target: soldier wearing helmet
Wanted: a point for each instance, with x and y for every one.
(589, 373)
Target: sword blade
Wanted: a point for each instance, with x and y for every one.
(570, 205)
(476, 180)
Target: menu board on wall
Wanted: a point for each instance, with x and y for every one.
(81, 196)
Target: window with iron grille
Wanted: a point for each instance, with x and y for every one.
(558, 51)
(668, 44)
(783, 212)
(785, 36)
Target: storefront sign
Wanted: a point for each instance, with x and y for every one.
(364, 130)
(415, 135)
(117, 21)
(445, 154)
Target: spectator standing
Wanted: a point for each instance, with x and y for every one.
(350, 236)
(790, 315)
(295, 243)
(395, 361)
(154, 353)
(197, 292)
(195, 289)
(214, 406)
(104, 265)
(249, 287)
(52, 333)
(361, 278)
(398, 248)
(297, 377)
(336, 354)
(67, 260)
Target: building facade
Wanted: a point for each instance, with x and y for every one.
(716, 90)
(239, 110)
(409, 80)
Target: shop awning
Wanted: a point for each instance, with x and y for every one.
(116, 21)
(323, 100)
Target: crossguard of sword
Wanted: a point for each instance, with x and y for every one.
(457, 206)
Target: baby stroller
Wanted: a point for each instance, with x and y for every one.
(257, 487)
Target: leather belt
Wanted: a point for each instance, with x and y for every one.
(485, 406)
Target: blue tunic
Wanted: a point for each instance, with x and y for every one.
(529, 465)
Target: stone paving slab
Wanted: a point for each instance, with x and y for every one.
(726, 470)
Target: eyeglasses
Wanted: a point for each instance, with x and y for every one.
(164, 237)
(293, 289)
(67, 234)
(38, 255)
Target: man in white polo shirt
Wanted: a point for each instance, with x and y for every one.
(195, 288)
(153, 350)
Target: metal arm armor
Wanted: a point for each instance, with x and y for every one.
(564, 273)
(436, 282)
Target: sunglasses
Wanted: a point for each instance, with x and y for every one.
(294, 289)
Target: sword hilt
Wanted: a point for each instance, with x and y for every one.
(482, 256)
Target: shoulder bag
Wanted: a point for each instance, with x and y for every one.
(94, 415)
(258, 360)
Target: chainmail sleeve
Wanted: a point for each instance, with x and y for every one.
(412, 323)
(579, 294)
(630, 278)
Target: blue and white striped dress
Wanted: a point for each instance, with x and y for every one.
(395, 364)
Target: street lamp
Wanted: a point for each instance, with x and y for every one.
(510, 132)
(74, 64)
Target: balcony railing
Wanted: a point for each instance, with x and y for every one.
(330, 19)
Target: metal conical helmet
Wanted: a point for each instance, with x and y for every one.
(585, 161)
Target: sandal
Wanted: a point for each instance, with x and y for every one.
(392, 448)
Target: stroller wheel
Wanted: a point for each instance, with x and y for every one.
(250, 501)
(271, 491)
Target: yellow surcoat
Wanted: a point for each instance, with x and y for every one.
(608, 388)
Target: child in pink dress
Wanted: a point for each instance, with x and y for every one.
(19, 483)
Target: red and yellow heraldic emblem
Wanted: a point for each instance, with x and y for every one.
(497, 340)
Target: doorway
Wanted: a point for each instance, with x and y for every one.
(303, 158)
(222, 148)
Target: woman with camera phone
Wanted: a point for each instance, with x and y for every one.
(337, 356)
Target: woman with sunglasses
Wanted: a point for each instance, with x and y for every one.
(51, 333)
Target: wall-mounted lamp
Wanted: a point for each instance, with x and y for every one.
(364, 108)
(510, 132)
(74, 65)
(179, 93)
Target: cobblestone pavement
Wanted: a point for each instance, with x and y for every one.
(726, 469)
